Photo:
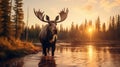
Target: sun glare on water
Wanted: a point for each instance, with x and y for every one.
(90, 51)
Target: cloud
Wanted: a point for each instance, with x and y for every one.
(67, 0)
(88, 7)
(108, 5)
(118, 1)
(92, 1)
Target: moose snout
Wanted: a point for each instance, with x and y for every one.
(55, 31)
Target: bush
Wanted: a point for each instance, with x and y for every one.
(11, 47)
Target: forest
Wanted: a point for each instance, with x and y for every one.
(11, 18)
(11, 27)
(87, 31)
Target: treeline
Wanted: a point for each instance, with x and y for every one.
(11, 18)
(99, 31)
(31, 33)
(87, 31)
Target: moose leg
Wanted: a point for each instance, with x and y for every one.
(48, 50)
(44, 51)
(53, 49)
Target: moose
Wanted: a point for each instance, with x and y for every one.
(48, 34)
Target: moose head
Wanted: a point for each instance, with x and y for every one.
(52, 24)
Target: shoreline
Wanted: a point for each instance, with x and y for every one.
(10, 54)
(11, 48)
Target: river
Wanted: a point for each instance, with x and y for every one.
(71, 55)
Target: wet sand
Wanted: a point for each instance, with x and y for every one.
(71, 56)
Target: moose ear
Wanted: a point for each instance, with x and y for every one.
(57, 18)
(47, 18)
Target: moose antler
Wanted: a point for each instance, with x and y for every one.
(40, 15)
(63, 15)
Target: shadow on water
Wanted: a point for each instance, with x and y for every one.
(47, 62)
(13, 63)
(72, 55)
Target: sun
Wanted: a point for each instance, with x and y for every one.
(90, 30)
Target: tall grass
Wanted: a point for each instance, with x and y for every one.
(11, 47)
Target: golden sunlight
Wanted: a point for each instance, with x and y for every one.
(90, 51)
(91, 55)
(90, 30)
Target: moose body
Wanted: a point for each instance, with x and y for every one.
(48, 34)
(48, 39)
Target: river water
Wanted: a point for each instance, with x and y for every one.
(71, 55)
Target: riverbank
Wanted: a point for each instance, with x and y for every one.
(11, 48)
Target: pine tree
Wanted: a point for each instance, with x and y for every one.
(118, 26)
(61, 32)
(1, 29)
(113, 23)
(104, 27)
(90, 23)
(18, 18)
(118, 23)
(5, 23)
(61, 28)
(98, 24)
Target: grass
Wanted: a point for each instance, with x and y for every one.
(11, 47)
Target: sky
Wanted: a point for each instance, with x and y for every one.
(79, 10)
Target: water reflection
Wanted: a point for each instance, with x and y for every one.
(71, 56)
(12, 63)
(88, 56)
(90, 52)
(47, 62)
